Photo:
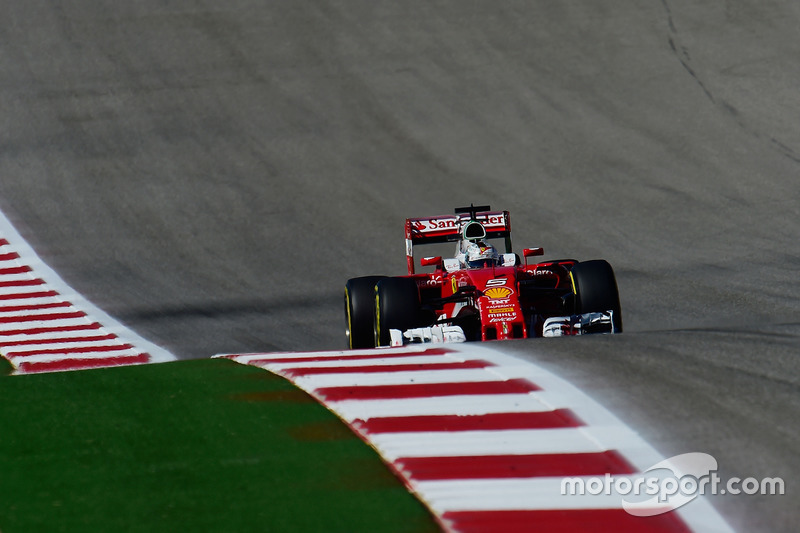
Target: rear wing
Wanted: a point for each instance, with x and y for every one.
(447, 228)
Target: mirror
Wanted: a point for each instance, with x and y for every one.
(530, 252)
(431, 261)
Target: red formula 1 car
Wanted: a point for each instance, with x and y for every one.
(479, 294)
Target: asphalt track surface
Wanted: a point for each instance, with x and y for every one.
(211, 173)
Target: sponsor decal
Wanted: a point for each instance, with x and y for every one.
(502, 317)
(501, 310)
(434, 281)
(496, 293)
(458, 283)
(492, 220)
(438, 224)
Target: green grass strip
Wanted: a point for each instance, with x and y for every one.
(207, 445)
(5, 367)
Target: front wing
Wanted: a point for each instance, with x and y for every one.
(557, 326)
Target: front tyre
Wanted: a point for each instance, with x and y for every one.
(397, 306)
(359, 311)
(596, 290)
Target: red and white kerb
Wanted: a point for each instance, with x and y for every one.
(46, 327)
(483, 439)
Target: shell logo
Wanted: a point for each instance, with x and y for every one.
(496, 293)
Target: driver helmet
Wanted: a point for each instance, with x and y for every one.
(481, 255)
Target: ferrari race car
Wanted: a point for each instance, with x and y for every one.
(479, 294)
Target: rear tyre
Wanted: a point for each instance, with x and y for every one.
(397, 306)
(596, 290)
(359, 311)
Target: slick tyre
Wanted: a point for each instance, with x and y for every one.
(596, 290)
(397, 306)
(359, 311)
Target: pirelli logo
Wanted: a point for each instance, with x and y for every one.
(500, 310)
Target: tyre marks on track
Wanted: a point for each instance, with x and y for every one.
(46, 327)
(484, 439)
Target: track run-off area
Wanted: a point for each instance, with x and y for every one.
(208, 176)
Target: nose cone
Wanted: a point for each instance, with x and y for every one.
(501, 315)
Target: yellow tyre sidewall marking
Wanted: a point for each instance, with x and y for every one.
(349, 319)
